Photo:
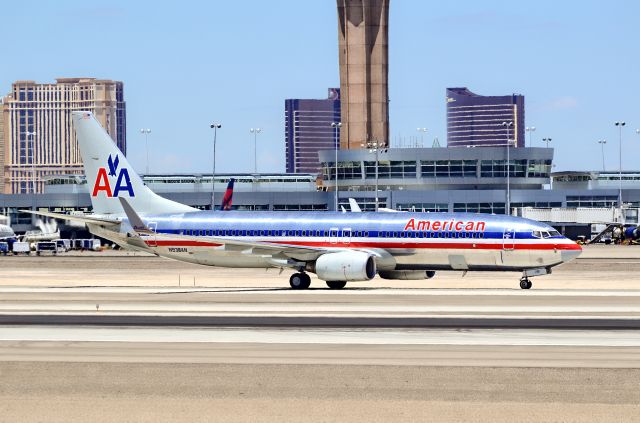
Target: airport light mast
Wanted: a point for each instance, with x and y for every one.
(422, 132)
(620, 124)
(602, 143)
(32, 137)
(530, 130)
(376, 147)
(215, 126)
(336, 126)
(508, 125)
(146, 133)
(255, 132)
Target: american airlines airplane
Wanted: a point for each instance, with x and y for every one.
(337, 247)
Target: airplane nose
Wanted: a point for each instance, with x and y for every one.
(570, 252)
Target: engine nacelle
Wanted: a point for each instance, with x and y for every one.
(407, 275)
(345, 266)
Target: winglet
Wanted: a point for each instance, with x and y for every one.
(134, 220)
(353, 204)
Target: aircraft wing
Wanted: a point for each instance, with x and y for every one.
(272, 249)
(279, 252)
(75, 218)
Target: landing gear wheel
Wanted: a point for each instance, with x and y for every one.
(336, 284)
(525, 283)
(299, 281)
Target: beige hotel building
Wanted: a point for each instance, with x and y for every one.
(37, 140)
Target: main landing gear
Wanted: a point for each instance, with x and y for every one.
(525, 283)
(299, 280)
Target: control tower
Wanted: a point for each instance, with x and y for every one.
(363, 42)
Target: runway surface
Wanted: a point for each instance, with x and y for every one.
(129, 338)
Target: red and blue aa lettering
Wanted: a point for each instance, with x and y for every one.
(123, 183)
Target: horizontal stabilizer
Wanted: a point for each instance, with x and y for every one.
(103, 221)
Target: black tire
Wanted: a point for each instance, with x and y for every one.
(525, 284)
(336, 284)
(299, 281)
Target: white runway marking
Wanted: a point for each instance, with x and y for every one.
(347, 292)
(143, 308)
(495, 337)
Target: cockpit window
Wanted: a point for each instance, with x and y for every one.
(537, 234)
(554, 233)
(545, 234)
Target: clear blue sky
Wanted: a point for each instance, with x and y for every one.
(186, 64)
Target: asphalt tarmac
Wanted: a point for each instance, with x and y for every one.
(122, 337)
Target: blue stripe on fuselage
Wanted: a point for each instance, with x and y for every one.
(325, 224)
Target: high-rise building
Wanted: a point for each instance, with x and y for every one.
(477, 121)
(363, 52)
(308, 130)
(36, 132)
(2, 145)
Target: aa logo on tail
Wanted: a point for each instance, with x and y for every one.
(123, 183)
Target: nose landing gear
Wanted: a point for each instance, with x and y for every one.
(299, 280)
(525, 283)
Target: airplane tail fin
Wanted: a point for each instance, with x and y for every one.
(109, 174)
(228, 196)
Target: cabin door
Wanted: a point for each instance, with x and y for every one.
(508, 239)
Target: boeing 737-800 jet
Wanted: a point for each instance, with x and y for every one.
(337, 247)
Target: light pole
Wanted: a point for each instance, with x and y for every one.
(336, 126)
(602, 143)
(508, 125)
(146, 133)
(215, 126)
(620, 124)
(32, 135)
(255, 132)
(422, 132)
(530, 130)
(376, 147)
(547, 140)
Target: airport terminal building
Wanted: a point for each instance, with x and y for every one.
(416, 179)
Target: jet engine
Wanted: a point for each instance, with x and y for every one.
(632, 233)
(345, 266)
(407, 275)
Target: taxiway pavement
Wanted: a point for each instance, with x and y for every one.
(106, 337)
